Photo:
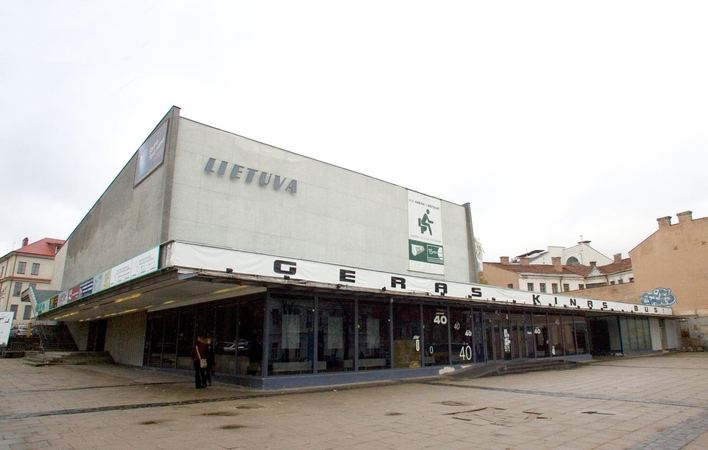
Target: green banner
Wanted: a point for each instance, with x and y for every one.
(425, 252)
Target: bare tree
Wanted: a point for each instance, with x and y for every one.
(478, 252)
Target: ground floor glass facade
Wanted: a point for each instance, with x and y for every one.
(299, 333)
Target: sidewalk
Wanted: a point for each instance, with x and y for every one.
(658, 402)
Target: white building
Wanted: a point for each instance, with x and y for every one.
(31, 265)
(580, 254)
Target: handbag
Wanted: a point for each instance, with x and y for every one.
(202, 362)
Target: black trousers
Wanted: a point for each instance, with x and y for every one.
(199, 375)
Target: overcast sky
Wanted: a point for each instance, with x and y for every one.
(552, 119)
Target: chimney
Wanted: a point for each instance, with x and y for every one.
(618, 258)
(525, 261)
(685, 217)
(504, 260)
(664, 221)
(556, 260)
(25, 241)
(593, 264)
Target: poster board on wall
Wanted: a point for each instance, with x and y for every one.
(5, 326)
(425, 234)
(151, 154)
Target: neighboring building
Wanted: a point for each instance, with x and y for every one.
(31, 265)
(671, 269)
(304, 273)
(556, 277)
(581, 254)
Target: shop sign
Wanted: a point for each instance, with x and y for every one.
(248, 175)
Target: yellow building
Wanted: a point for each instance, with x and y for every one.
(29, 266)
(671, 269)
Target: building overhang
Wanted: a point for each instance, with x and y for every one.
(168, 288)
(193, 273)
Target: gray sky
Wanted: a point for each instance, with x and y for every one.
(552, 119)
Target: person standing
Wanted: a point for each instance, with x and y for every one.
(198, 354)
(210, 360)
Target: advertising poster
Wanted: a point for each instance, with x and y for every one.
(74, 294)
(5, 325)
(151, 154)
(425, 234)
(62, 299)
(137, 266)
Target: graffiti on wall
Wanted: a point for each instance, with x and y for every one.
(658, 297)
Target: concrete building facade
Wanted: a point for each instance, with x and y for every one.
(300, 271)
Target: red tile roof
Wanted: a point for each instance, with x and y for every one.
(43, 247)
(547, 269)
(622, 266)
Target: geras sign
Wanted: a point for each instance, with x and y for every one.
(240, 172)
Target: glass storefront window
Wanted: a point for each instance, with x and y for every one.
(529, 336)
(224, 339)
(462, 335)
(184, 336)
(153, 341)
(540, 331)
(555, 335)
(506, 336)
(292, 336)
(249, 346)
(335, 330)
(491, 335)
(568, 334)
(633, 335)
(374, 335)
(406, 335)
(647, 334)
(435, 335)
(478, 336)
(581, 335)
(517, 328)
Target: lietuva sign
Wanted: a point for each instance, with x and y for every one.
(264, 178)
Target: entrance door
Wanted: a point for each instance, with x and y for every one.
(407, 338)
(491, 331)
(499, 340)
(518, 339)
(96, 336)
(530, 341)
(505, 334)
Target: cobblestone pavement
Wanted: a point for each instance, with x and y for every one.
(658, 402)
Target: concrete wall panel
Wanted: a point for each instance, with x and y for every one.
(123, 223)
(125, 338)
(336, 215)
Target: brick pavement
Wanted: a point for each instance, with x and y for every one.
(658, 402)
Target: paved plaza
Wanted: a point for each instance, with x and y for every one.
(656, 402)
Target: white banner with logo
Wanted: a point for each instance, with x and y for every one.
(425, 234)
(298, 271)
